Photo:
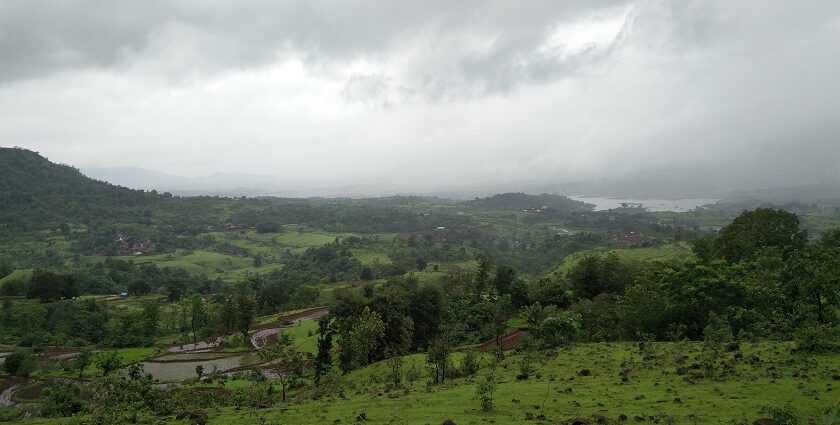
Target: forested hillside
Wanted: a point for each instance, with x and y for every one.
(214, 308)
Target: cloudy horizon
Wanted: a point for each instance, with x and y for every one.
(428, 93)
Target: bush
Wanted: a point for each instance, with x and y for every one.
(525, 367)
(20, 363)
(62, 400)
(470, 363)
(815, 339)
(783, 415)
(484, 391)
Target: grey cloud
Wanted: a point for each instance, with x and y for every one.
(38, 38)
(427, 92)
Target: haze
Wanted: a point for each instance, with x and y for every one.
(429, 95)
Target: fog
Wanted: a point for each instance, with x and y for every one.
(355, 97)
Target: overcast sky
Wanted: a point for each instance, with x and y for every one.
(427, 92)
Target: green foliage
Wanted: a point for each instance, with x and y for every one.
(21, 363)
(63, 399)
(48, 286)
(83, 360)
(108, 362)
(784, 415)
(485, 389)
(366, 335)
(597, 274)
(762, 228)
(437, 356)
(118, 399)
(816, 338)
(470, 363)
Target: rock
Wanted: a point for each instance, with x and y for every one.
(682, 370)
(765, 421)
(585, 372)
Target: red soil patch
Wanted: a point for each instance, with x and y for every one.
(509, 341)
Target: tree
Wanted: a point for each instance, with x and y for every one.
(20, 363)
(761, 228)
(816, 272)
(485, 390)
(558, 328)
(437, 355)
(245, 306)
(704, 248)
(421, 264)
(197, 314)
(151, 316)
(48, 286)
(505, 276)
(366, 335)
(366, 273)
(63, 399)
(108, 362)
(395, 366)
(830, 239)
(323, 360)
(287, 361)
(498, 326)
(83, 360)
(595, 274)
(482, 276)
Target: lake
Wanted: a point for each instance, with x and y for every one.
(674, 205)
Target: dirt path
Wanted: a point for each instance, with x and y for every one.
(509, 341)
(303, 316)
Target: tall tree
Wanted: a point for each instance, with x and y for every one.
(367, 334)
(753, 230)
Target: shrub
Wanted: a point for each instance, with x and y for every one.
(470, 363)
(785, 415)
(816, 338)
(20, 363)
(484, 391)
(62, 400)
(525, 367)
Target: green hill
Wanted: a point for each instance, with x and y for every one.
(36, 194)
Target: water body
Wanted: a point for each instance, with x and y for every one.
(673, 205)
(179, 367)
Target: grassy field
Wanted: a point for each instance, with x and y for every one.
(654, 392)
(19, 275)
(678, 250)
(579, 381)
(304, 335)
